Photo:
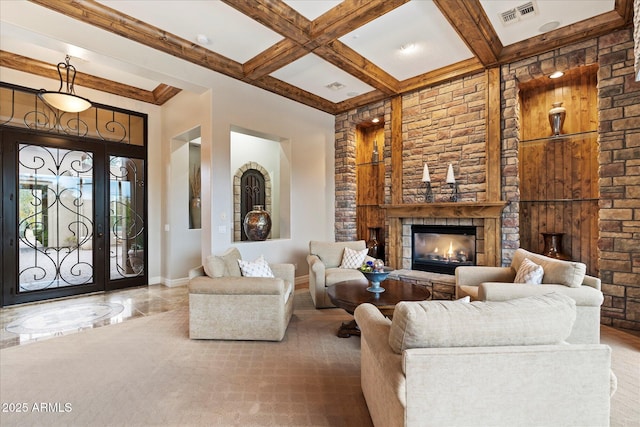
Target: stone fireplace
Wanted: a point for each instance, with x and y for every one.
(442, 248)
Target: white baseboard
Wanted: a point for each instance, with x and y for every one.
(172, 283)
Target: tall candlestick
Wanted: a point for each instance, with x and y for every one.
(450, 178)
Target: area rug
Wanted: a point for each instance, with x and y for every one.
(147, 372)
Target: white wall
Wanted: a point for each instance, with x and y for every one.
(228, 104)
(310, 134)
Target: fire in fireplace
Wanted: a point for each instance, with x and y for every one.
(441, 248)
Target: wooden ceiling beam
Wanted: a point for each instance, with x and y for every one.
(158, 96)
(357, 65)
(98, 15)
(574, 33)
(275, 15)
(470, 21)
(286, 90)
(347, 17)
(624, 8)
(441, 75)
(273, 58)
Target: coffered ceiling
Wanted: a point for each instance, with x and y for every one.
(330, 55)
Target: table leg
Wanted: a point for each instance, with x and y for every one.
(348, 328)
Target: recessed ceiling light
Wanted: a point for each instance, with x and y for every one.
(556, 74)
(202, 39)
(408, 48)
(552, 25)
(375, 120)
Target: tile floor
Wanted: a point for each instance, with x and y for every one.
(34, 321)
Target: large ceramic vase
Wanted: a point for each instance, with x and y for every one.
(557, 115)
(257, 223)
(553, 246)
(195, 209)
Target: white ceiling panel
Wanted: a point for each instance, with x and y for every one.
(522, 27)
(313, 74)
(429, 41)
(230, 33)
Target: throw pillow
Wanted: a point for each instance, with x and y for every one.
(529, 272)
(257, 268)
(352, 258)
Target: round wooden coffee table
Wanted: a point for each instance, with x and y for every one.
(350, 294)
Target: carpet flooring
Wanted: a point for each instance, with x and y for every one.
(146, 372)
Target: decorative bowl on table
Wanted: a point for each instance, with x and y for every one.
(375, 277)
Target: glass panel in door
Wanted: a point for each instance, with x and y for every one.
(126, 217)
(55, 218)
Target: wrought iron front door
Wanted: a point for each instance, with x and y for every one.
(73, 218)
(55, 218)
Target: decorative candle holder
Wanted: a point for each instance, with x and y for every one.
(428, 195)
(454, 192)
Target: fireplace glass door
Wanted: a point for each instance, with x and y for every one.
(440, 249)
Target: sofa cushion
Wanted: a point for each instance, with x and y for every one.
(335, 275)
(257, 268)
(529, 272)
(224, 265)
(556, 271)
(330, 253)
(546, 319)
(352, 258)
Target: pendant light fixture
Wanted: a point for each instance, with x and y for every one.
(66, 100)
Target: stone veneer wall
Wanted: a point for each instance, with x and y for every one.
(345, 159)
(619, 139)
(446, 123)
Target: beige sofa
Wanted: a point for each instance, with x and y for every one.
(324, 268)
(450, 363)
(565, 277)
(225, 305)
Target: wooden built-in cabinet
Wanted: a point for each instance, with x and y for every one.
(559, 174)
(370, 183)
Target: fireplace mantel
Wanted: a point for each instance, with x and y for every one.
(490, 212)
(446, 210)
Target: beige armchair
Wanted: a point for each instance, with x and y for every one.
(225, 305)
(565, 277)
(324, 268)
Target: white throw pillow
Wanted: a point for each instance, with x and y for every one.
(352, 258)
(529, 272)
(257, 268)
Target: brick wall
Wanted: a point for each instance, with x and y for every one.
(446, 124)
(345, 160)
(619, 162)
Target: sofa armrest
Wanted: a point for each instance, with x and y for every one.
(474, 275)
(283, 271)
(316, 271)
(593, 282)
(237, 285)
(196, 272)
(583, 296)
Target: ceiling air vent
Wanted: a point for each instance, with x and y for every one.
(335, 86)
(509, 17)
(527, 9)
(524, 11)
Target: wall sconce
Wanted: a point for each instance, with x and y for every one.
(451, 180)
(428, 195)
(66, 101)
